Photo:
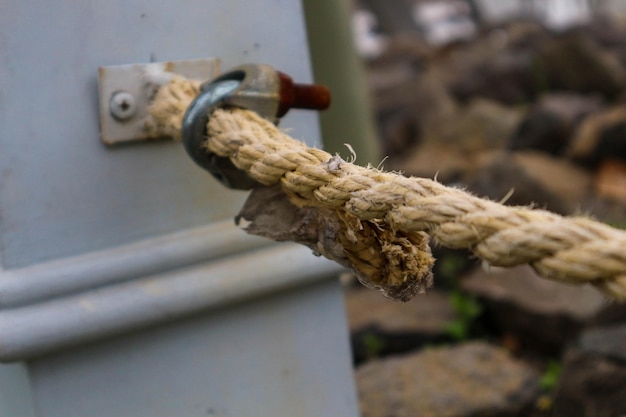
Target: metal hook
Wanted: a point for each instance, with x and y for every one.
(256, 87)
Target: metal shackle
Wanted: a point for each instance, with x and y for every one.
(256, 87)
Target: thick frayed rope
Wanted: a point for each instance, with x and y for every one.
(569, 249)
(169, 107)
(398, 264)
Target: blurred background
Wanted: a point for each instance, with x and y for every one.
(521, 101)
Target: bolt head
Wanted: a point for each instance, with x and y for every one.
(122, 105)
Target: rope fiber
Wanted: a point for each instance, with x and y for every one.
(575, 250)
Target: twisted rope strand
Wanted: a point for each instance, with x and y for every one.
(569, 249)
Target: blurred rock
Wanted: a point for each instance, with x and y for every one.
(610, 180)
(525, 33)
(608, 341)
(506, 77)
(593, 382)
(535, 178)
(486, 125)
(606, 32)
(600, 136)
(498, 65)
(473, 379)
(447, 147)
(411, 109)
(609, 34)
(400, 132)
(610, 314)
(530, 61)
(404, 47)
(441, 160)
(543, 314)
(550, 123)
(574, 62)
(388, 80)
(380, 326)
(431, 101)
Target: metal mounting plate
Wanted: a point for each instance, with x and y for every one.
(125, 92)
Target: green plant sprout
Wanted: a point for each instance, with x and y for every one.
(373, 345)
(548, 382)
(550, 377)
(467, 309)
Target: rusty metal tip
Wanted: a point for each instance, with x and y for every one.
(301, 96)
(313, 97)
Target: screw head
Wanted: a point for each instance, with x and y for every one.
(122, 105)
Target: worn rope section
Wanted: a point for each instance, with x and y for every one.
(569, 249)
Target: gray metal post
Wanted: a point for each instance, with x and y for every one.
(125, 289)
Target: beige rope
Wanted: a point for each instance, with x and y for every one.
(569, 249)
